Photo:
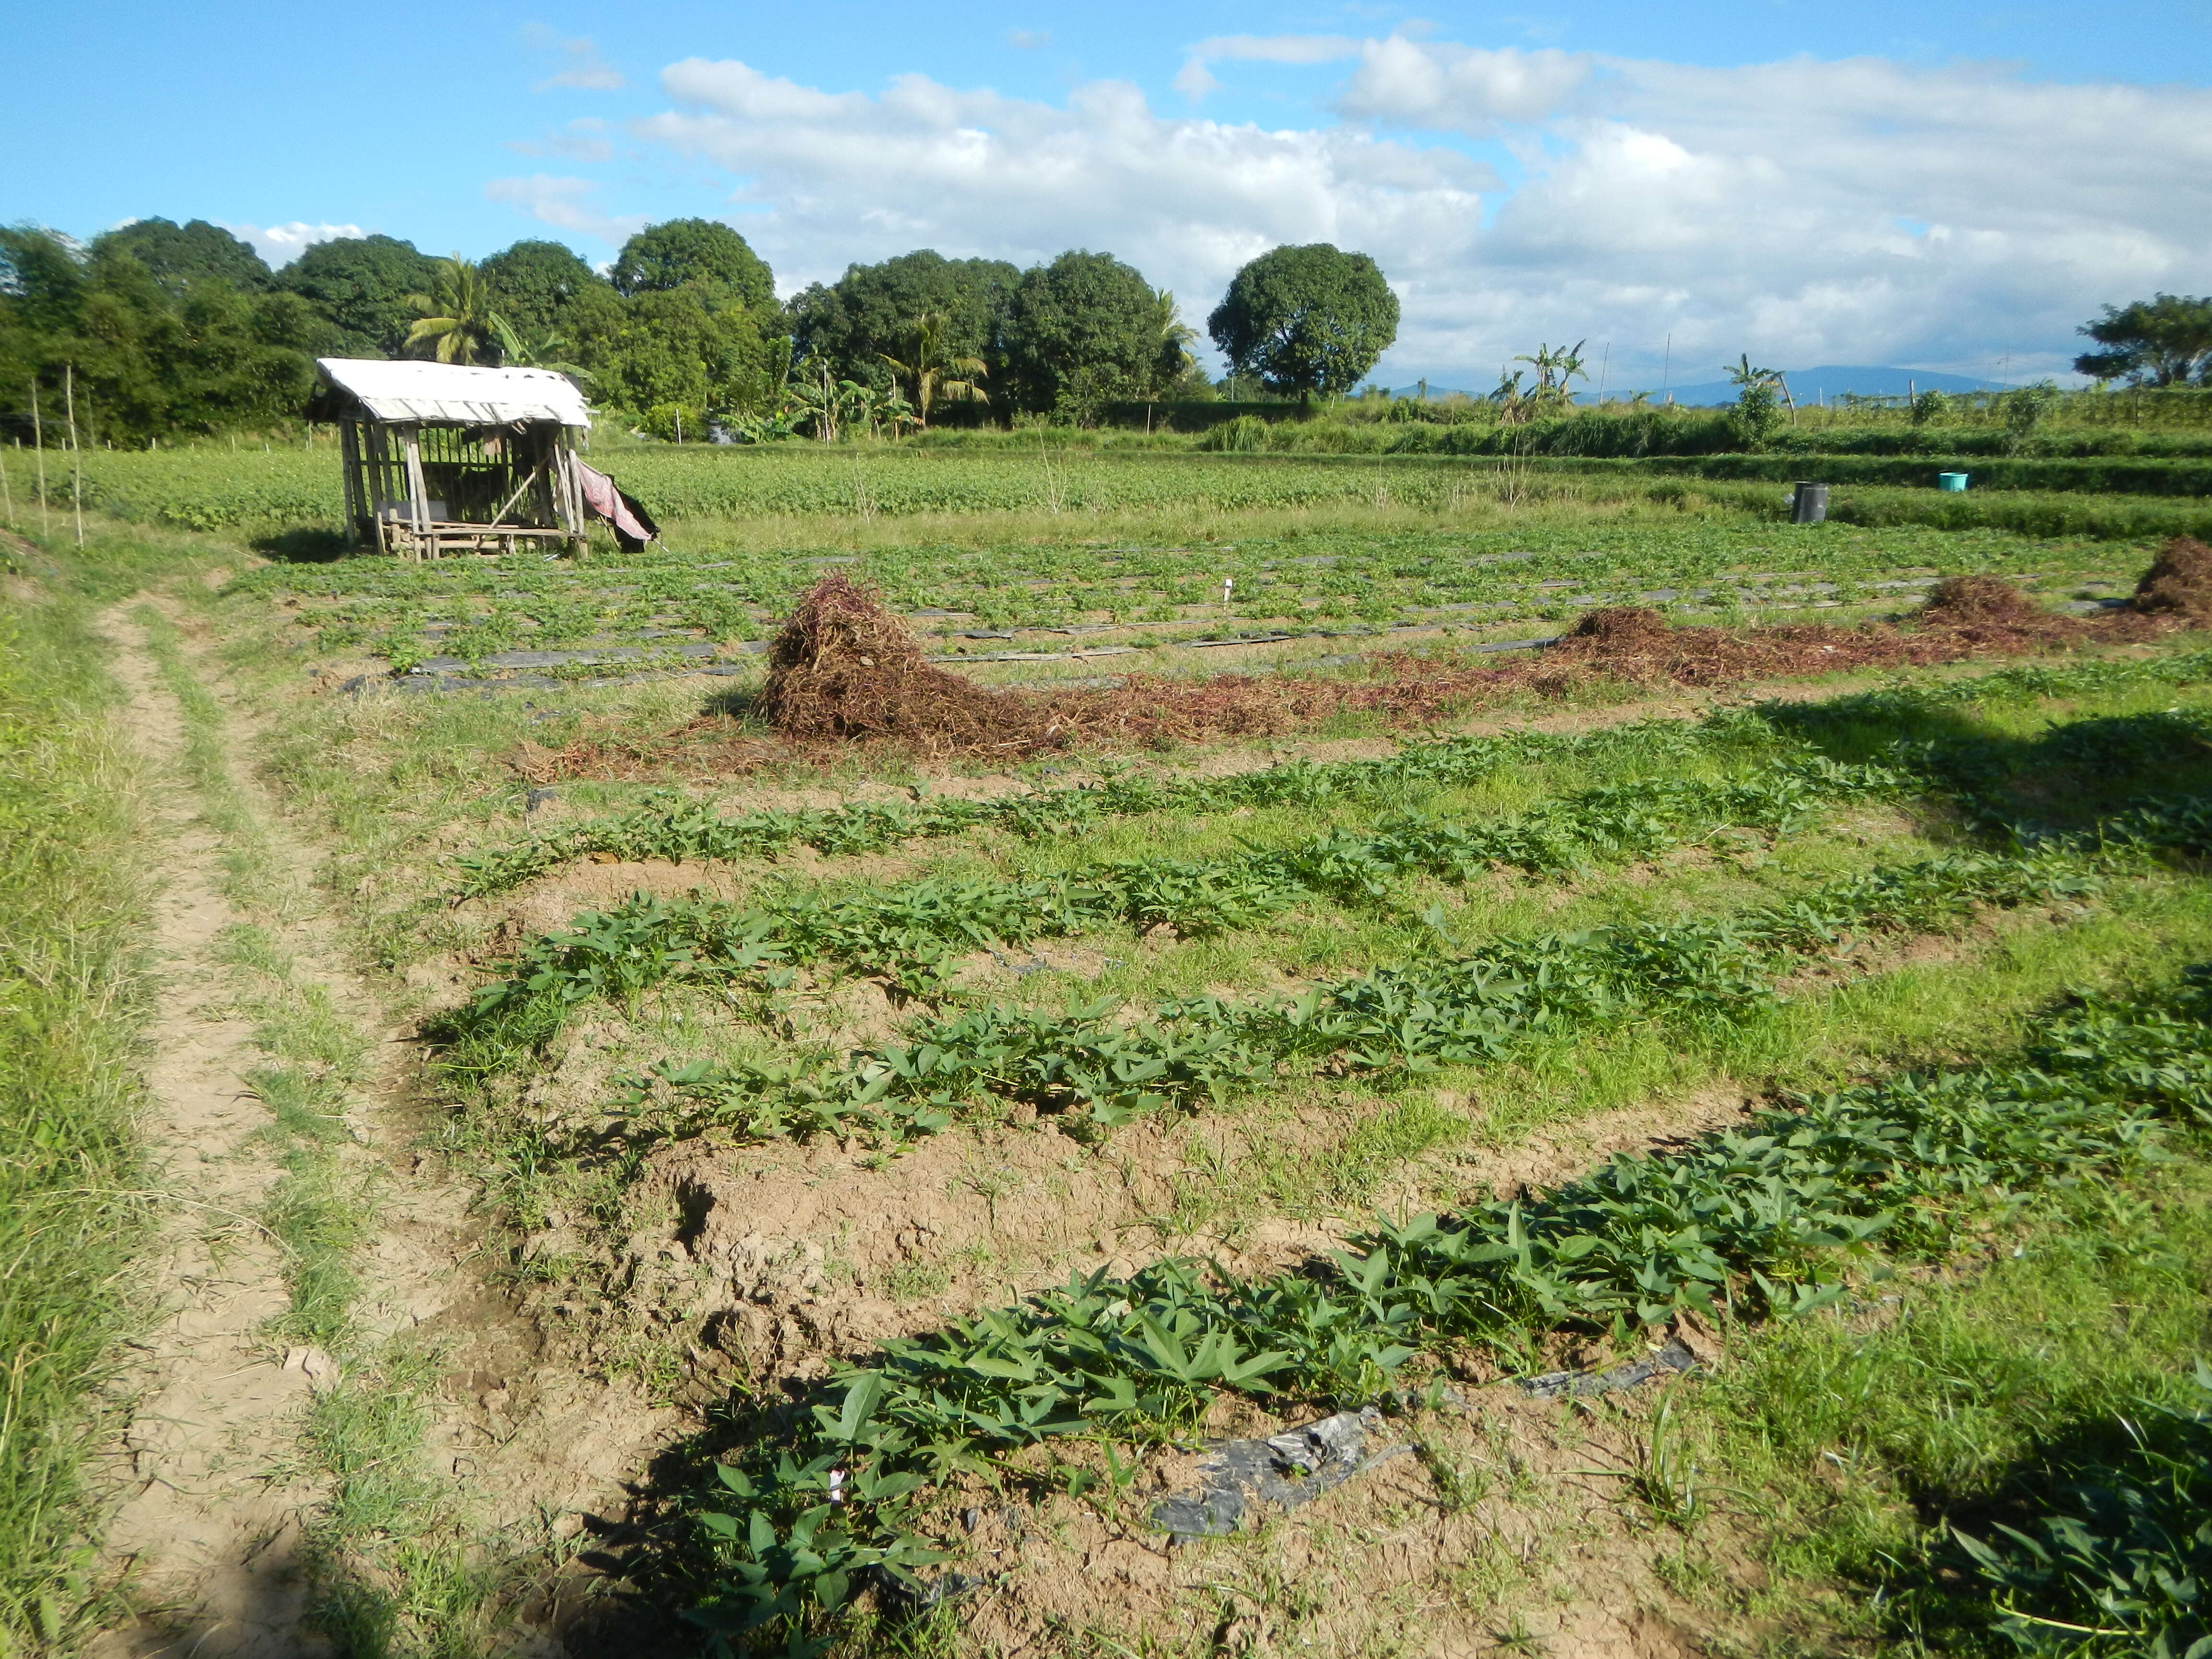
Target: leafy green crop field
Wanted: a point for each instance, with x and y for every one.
(1100, 549)
(1561, 918)
(210, 487)
(916, 1166)
(979, 602)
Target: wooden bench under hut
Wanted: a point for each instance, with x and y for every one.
(442, 458)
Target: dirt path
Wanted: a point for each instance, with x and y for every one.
(210, 1527)
(223, 1488)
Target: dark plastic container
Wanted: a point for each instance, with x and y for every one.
(1810, 504)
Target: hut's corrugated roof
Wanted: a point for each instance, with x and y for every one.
(452, 392)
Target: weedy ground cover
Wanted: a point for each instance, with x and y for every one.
(72, 1198)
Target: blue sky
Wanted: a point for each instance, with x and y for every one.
(1953, 187)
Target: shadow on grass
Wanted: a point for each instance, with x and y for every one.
(2068, 778)
(307, 544)
(2100, 1526)
(2036, 1436)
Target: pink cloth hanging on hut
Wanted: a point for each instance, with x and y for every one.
(633, 527)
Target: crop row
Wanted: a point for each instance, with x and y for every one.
(910, 932)
(1184, 588)
(668, 826)
(1460, 1008)
(1771, 1218)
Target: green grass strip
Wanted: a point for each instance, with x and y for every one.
(71, 1210)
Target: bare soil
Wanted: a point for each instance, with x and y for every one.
(214, 1491)
(209, 1526)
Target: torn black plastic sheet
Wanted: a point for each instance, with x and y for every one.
(1674, 1357)
(1287, 1469)
(1300, 1464)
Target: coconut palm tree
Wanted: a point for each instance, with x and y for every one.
(1176, 336)
(458, 322)
(933, 373)
(544, 352)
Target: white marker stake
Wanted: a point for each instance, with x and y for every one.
(1227, 582)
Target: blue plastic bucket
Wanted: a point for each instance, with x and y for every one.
(1951, 480)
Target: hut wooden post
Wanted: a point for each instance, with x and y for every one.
(357, 508)
(568, 496)
(418, 492)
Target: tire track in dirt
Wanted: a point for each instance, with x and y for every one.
(525, 1442)
(210, 1527)
(516, 1443)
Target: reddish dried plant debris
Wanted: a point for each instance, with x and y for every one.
(846, 671)
(2179, 582)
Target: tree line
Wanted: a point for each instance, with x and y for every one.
(159, 330)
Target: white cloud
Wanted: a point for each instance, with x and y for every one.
(1029, 40)
(282, 244)
(1861, 210)
(1196, 79)
(1460, 88)
(1759, 207)
(838, 177)
(566, 204)
(581, 140)
(583, 68)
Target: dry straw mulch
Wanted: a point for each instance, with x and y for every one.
(845, 673)
(2178, 583)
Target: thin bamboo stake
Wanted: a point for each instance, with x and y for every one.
(76, 455)
(38, 443)
(7, 488)
(536, 473)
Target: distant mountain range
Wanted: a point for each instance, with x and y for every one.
(1829, 381)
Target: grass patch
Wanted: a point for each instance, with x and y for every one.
(72, 1218)
(2046, 1405)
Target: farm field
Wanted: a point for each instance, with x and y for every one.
(1726, 1163)
(1265, 560)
